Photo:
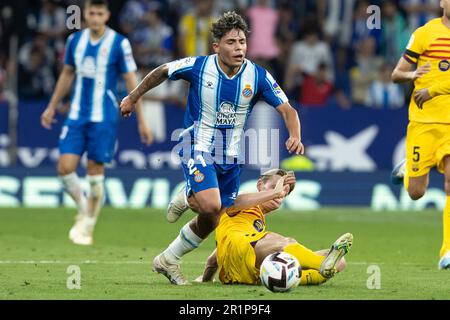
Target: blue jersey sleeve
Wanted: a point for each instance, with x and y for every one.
(181, 69)
(126, 60)
(271, 91)
(69, 51)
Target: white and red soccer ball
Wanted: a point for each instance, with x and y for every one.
(280, 272)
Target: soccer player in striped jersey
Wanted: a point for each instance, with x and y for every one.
(95, 57)
(224, 87)
(243, 242)
(428, 134)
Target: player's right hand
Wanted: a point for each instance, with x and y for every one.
(421, 96)
(294, 144)
(420, 71)
(126, 106)
(47, 118)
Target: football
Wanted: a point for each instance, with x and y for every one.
(280, 272)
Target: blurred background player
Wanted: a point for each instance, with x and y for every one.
(224, 87)
(243, 243)
(428, 135)
(95, 58)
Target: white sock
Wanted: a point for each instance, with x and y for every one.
(72, 186)
(186, 241)
(95, 199)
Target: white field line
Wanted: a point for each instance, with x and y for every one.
(70, 262)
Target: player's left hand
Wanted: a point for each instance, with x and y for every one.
(146, 134)
(421, 96)
(295, 145)
(126, 107)
(290, 181)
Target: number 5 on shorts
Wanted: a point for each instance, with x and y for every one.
(416, 154)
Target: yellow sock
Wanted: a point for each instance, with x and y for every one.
(311, 277)
(446, 223)
(307, 258)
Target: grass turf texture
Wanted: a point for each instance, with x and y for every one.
(35, 254)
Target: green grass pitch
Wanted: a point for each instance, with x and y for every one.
(35, 254)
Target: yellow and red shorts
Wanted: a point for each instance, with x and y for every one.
(427, 144)
(236, 257)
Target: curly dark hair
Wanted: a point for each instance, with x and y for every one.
(228, 21)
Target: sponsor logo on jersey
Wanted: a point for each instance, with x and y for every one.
(258, 225)
(444, 65)
(247, 92)
(181, 63)
(88, 69)
(276, 88)
(226, 115)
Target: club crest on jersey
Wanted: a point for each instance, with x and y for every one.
(226, 115)
(198, 176)
(258, 225)
(444, 65)
(247, 92)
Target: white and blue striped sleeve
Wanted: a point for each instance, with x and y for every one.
(271, 91)
(126, 60)
(69, 52)
(181, 69)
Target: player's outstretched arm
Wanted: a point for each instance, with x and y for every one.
(249, 200)
(292, 122)
(61, 90)
(210, 268)
(404, 72)
(144, 131)
(151, 80)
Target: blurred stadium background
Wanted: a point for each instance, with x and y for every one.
(335, 70)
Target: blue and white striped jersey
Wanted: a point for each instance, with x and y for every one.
(97, 67)
(219, 105)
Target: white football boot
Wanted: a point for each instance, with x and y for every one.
(177, 206)
(170, 270)
(78, 233)
(398, 173)
(339, 248)
(444, 262)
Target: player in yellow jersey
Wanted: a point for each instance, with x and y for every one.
(243, 242)
(428, 134)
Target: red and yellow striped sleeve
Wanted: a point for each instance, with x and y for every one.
(415, 47)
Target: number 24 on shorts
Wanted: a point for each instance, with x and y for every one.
(191, 164)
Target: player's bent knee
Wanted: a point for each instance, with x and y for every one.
(210, 209)
(290, 240)
(416, 194)
(65, 169)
